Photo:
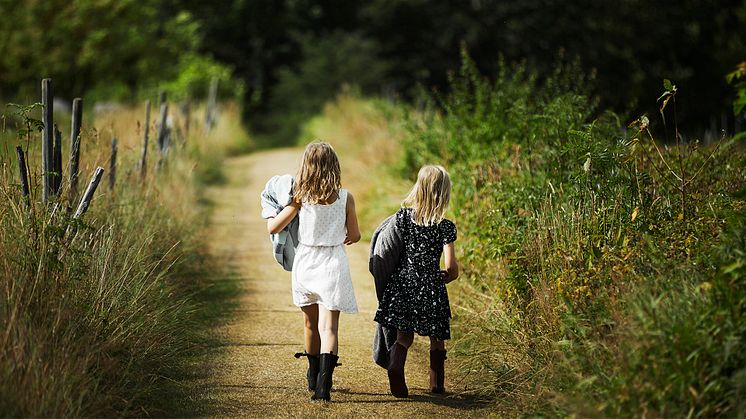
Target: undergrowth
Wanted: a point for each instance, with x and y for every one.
(104, 316)
(602, 266)
(595, 254)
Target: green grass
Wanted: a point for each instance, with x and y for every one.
(590, 284)
(590, 280)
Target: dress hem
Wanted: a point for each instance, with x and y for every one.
(413, 330)
(341, 310)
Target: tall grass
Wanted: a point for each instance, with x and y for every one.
(589, 286)
(102, 317)
(590, 276)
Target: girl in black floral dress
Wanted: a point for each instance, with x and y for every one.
(415, 298)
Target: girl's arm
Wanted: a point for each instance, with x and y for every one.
(353, 230)
(451, 264)
(281, 220)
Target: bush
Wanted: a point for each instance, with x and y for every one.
(330, 63)
(592, 281)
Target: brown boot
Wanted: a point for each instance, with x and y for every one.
(397, 359)
(437, 371)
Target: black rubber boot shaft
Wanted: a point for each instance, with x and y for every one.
(327, 362)
(313, 371)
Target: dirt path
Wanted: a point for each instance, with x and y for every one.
(256, 374)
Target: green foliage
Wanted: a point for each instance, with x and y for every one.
(738, 79)
(600, 274)
(195, 74)
(101, 50)
(330, 63)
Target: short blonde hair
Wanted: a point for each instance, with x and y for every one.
(319, 177)
(430, 195)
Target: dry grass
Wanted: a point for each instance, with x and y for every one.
(102, 317)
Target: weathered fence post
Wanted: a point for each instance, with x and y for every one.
(46, 139)
(212, 99)
(144, 156)
(186, 109)
(57, 184)
(24, 175)
(113, 164)
(162, 123)
(88, 194)
(75, 145)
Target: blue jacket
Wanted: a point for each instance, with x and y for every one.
(277, 194)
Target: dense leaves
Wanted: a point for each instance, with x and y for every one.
(603, 271)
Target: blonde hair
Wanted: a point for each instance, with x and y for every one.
(430, 195)
(319, 177)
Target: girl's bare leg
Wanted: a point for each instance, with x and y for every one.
(311, 329)
(439, 345)
(328, 325)
(405, 339)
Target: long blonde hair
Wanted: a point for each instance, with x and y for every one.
(319, 177)
(430, 195)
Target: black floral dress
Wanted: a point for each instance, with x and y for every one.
(415, 299)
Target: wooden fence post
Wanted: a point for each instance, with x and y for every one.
(162, 123)
(75, 146)
(186, 109)
(24, 175)
(88, 194)
(46, 139)
(57, 185)
(144, 155)
(212, 98)
(113, 163)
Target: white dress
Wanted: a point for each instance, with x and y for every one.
(321, 272)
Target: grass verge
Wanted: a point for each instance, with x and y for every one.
(106, 316)
(602, 269)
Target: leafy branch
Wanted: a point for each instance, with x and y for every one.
(676, 177)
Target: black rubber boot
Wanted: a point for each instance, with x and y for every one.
(397, 359)
(313, 369)
(437, 371)
(327, 362)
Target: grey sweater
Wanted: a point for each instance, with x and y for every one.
(386, 248)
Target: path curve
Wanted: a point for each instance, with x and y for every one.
(256, 374)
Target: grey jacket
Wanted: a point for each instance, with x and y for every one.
(277, 194)
(386, 249)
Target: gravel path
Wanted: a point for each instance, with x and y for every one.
(256, 374)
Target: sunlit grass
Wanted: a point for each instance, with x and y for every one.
(101, 318)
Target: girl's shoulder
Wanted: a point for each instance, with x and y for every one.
(447, 229)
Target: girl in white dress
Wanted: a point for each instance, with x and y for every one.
(322, 285)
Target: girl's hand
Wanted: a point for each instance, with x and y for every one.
(446, 277)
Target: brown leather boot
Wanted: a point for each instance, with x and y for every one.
(397, 359)
(437, 371)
